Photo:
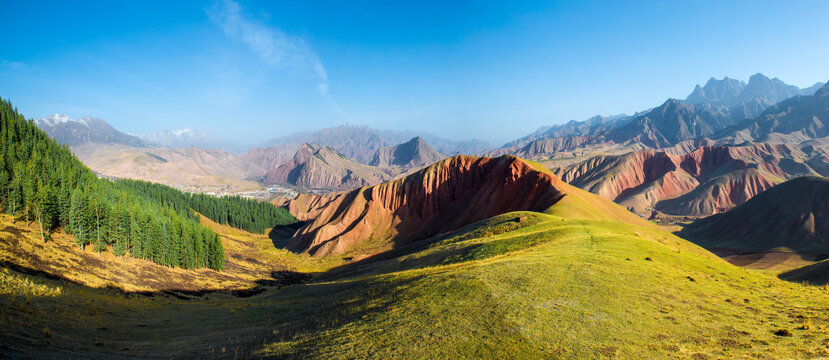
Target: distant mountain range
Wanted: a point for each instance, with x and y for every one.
(187, 138)
(729, 92)
(691, 158)
(361, 143)
(716, 111)
(322, 167)
(87, 129)
(796, 119)
(333, 158)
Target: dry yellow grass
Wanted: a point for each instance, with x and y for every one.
(250, 260)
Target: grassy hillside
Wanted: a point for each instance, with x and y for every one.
(519, 285)
(251, 261)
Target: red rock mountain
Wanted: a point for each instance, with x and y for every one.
(706, 181)
(321, 167)
(445, 196)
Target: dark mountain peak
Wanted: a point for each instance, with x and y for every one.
(716, 91)
(802, 116)
(321, 167)
(672, 105)
(670, 123)
(597, 119)
(811, 90)
(413, 153)
(774, 90)
(823, 91)
(758, 77)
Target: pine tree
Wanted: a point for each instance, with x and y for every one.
(43, 181)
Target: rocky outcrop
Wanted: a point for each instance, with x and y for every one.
(794, 215)
(414, 153)
(443, 197)
(706, 181)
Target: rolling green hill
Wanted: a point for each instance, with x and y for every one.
(518, 285)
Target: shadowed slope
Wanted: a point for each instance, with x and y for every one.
(792, 215)
(814, 274)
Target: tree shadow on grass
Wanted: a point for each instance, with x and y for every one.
(280, 234)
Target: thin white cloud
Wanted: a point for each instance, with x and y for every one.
(14, 65)
(269, 43)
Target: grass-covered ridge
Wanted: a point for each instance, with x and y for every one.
(519, 285)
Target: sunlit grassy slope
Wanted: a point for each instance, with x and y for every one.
(519, 285)
(250, 259)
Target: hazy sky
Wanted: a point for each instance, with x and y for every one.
(255, 70)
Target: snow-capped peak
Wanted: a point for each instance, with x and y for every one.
(55, 119)
(186, 132)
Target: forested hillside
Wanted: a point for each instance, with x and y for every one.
(43, 182)
(236, 211)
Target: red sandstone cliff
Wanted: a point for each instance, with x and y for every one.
(445, 196)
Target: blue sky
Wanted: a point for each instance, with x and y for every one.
(254, 70)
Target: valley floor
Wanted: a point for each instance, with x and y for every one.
(547, 287)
